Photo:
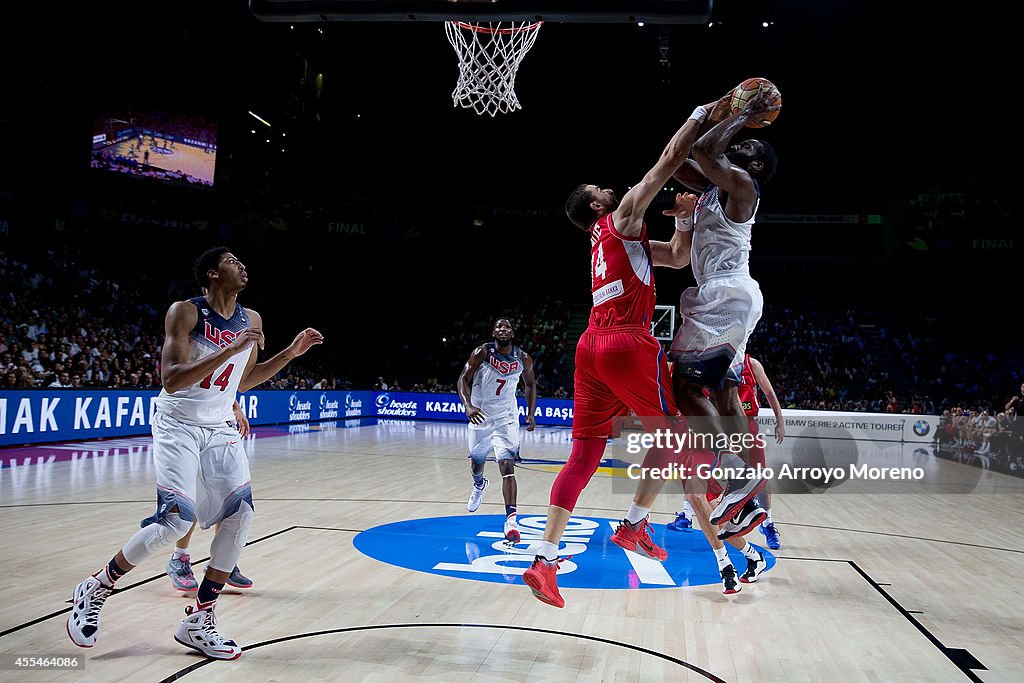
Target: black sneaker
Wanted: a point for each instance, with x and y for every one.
(729, 585)
(748, 517)
(754, 569)
(737, 493)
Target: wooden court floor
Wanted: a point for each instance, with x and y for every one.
(868, 587)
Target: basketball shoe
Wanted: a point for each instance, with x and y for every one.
(746, 519)
(637, 539)
(476, 497)
(729, 585)
(180, 571)
(540, 577)
(511, 529)
(238, 579)
(681, 523)
(199, 631)
(84, 621)
(771, 535)
(737, 492)
(754, 569)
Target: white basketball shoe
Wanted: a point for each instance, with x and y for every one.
(199, 632)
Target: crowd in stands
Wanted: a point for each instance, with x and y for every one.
(65, 325)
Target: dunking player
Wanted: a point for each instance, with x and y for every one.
(752, 379)
(487, 387)
(720, 313)
(620, 366)
(202, 470)
(676, 254)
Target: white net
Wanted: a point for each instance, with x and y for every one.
(489, 57)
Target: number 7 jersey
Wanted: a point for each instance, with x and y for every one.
(207, 403)
(622, 282)
(494, 386)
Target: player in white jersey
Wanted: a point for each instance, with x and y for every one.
(202, 471)
(487, 387)
(720, 313)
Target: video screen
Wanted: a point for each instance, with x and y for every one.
(172, 147)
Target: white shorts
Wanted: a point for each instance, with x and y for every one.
(717, 319)
(202, 470)
(502, 438)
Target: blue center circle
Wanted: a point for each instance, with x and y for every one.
(473, 547)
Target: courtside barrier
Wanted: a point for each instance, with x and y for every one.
(46, 415)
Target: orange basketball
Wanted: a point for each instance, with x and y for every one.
(747, 89)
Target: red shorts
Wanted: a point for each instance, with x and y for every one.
(619, 369)
(756, 450)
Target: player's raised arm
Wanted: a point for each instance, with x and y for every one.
(710, 152)
(629, 216)
(258, 373)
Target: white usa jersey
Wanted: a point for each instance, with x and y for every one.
(720, 246)
(207, 403)
(494, 385)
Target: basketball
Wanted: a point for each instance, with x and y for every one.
(747, 89)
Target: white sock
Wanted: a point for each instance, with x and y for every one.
(688, 510)
(768, 519)
(750, 552)
(636, 513)
(178, 552)
(548, 550)
(722, 555)
(104, 577)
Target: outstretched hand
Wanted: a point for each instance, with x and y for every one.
(683, 207)
(304, 341)
(720, 109)
(763, 102)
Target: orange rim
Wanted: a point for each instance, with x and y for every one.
(476, 28)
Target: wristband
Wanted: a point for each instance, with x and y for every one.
(700, 114)
(684, 224)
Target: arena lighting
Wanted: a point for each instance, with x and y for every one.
(260, 119)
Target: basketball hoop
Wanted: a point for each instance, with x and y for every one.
(489, 57)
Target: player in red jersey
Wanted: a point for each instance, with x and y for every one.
(754, 378)
(620, 366)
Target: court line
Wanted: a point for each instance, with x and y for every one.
(959, 657)
(533, 505)
(198, 665)
(913, 538)
(373, 627)
(151, 579)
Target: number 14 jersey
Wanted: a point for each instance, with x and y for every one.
(207, 403)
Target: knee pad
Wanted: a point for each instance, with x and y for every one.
(230, 538)
(478, 459)
(152, 537)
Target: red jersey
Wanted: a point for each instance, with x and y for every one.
(621, 278)
(748, 389)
